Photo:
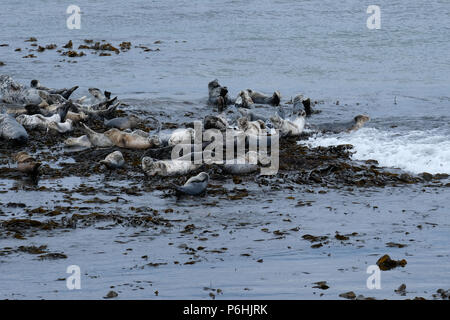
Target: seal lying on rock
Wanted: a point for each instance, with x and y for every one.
(26, 163)
(14, 93)
(338, 127)
(243, 100)
(65, 93)
(288, 128)
(153, 167)
(114, 160)
(11, 130)
(80, 142)
(195, 185)
(251, 116)
(136, 140)
(181, 136)
(97, 139)
(247, 164)
(123, 123)
(258, 97)
(39, 121)
(215, 122)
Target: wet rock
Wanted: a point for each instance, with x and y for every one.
(111, 294)
(386, 263)
(401, 290)
(52, 256)
(68, 45)
(321, 285)
(348, 295)
(443, 294)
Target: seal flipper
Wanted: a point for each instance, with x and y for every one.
(69, 92)
(63, 110)
(307, 105)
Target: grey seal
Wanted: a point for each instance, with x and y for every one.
(218, 122)
(258, 97)
(302, 103)
(338, 127)
(114, 160)
(65, 93)
(11, 130)
(218, 95)
(165, 168)
(123, 123)
(195, 185)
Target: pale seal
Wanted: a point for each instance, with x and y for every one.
(289, 128)
(136, 140)
(80, 142)
(114, 160)
(194, 186)
(153, 167)
(14, 93)
(181, 136)
(11, 130)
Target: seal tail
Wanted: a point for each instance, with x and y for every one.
(69, 92)
(64, 110)
(307, 105)
(276, 98)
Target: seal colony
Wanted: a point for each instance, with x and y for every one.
(234, 124)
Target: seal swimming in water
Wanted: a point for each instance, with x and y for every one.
(114, 160)
(123, 123)
(258, 97)
(338, 127)
(11, 130)
(26, 163)
(194, 186)
(153, 167)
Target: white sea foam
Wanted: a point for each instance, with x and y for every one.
(413, 151)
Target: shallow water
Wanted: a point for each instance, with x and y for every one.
(397, 75)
